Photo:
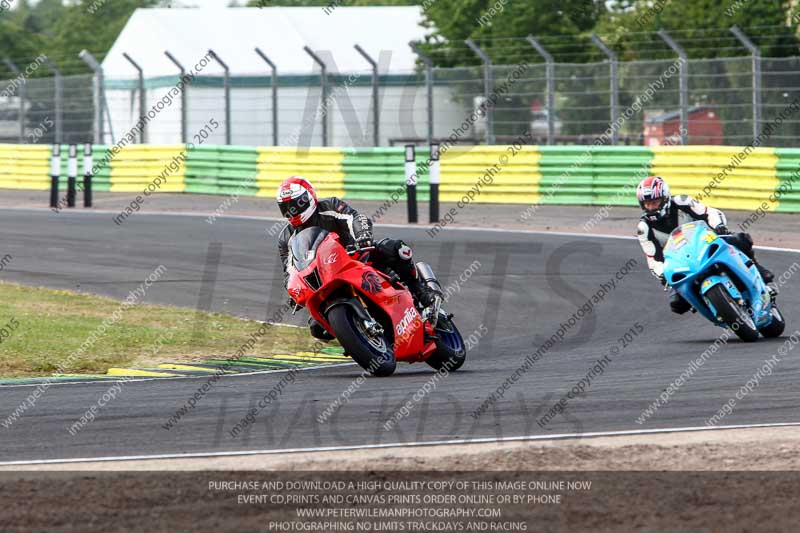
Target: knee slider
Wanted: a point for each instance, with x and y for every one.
(396, 248)
(745, 243)
(679, 305)
(318, 331)
(404, 251)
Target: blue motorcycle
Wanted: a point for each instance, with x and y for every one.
(720, 282)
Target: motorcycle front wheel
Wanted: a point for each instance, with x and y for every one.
(732, 313)
(371, 352)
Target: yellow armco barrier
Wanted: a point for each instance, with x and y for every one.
(159, 167)
(322, 166)
(24, 166)
(496, 174)
(727, 177)
(722, 176)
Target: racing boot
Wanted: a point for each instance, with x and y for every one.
(766, 273)
(428, 292)
(744, 242)
(773, 292)
(421, 292)
(317, 331)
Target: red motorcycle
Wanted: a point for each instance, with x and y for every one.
(373, 315)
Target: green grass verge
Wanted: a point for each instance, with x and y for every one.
(41, 328)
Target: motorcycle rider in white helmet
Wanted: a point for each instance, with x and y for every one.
(662, 213)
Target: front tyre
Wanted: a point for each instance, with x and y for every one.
(450, 351)
(372, 353)
(733, 315)
(776, 327)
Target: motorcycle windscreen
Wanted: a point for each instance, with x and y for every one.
(680, 238)
(675, 256)
(687, 251)
(303, 246)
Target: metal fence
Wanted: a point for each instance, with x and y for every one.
(700, 101)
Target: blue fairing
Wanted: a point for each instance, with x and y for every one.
(697, 259)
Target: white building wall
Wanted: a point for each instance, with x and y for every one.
(403, 115)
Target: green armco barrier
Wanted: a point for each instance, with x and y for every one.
(565, 175)
(788, 190)
(617, 172)
(591, 175)
(221, 170)
(563, 179)
(376, 173)
(101, 181)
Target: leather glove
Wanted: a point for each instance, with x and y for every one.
(722, 229)
(662, 279)
(364, 241)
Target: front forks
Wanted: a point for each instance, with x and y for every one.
(371, 326)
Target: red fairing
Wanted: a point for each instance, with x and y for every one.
(336, 268)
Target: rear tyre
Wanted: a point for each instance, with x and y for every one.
(372, 353)
(450, 351)
(733, 315)
(776, 327)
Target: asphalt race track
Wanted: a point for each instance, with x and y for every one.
(523, 286)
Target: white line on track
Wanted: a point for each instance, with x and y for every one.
(488, 440)
(378, 446)
(276, 219)
(111, 379)
(400, 226)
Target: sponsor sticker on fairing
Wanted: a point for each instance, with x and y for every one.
(408, 318)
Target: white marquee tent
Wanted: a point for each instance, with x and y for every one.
(281, 33)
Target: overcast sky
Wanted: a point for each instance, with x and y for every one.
(175, 3)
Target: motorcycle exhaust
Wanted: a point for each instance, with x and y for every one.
(426, 275)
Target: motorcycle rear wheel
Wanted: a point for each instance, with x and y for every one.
(372, 353)
(732, 313)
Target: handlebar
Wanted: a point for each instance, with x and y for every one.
(353, 251)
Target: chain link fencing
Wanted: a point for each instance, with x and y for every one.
(722, 95)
